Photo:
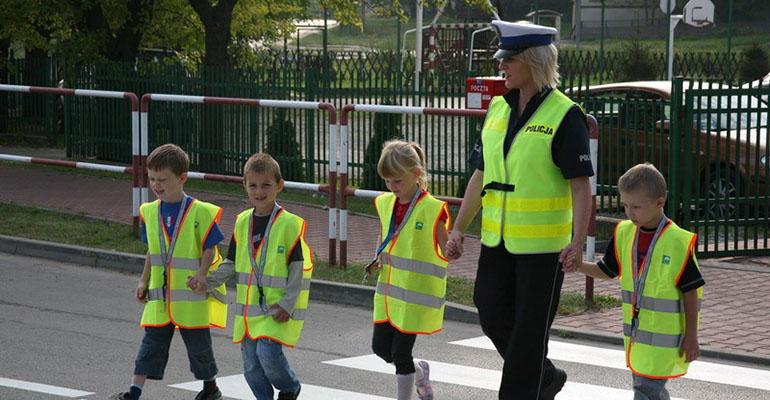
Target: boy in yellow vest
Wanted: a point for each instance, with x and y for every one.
(182, 234)
(273, 265)
(411, 288)
(660, 280)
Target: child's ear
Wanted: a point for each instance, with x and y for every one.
(280, 186)
(183, 177)
(660, 202)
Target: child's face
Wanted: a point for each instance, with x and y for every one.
(642, 209)
(402, 186)
(262, 189)
(167, 185)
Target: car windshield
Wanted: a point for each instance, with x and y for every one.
(719, 113)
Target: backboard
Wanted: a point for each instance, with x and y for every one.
(699, 13)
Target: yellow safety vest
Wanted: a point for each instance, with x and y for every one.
(526, 201)
(653, 350)
(178, 304)
(411, 288)
(287, 232)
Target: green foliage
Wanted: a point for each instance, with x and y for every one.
(755, 63)
(283, 146)
(638, 64)
(386, 127)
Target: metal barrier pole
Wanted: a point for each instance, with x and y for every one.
(590, 253)
(136, 166)
(345, 192)
(328, 189)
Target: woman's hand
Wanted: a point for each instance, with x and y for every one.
(454, 246)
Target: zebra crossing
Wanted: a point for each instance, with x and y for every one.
(459, 375)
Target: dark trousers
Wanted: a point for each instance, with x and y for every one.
(517, 297)
(153, 352)
(394, 347)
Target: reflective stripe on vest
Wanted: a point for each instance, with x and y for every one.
(251, 320)
(652, 348)
(180, 305)
(536, 216)
(411, 287)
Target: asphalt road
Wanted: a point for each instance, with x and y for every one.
(74, 328)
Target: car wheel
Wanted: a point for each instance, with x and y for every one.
(720, 190)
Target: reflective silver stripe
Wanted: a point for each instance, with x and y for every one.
(409, 296)
(305, 284)
(275, 282)
(176, 295)
(243, 278)
(255, 311)
(419, 267)
(219, 296)
(663, 305)
(653, 339)
(177, 262)
(155, 294)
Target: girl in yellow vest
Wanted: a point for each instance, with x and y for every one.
(660, 280)
(273, 264)
(411, 288)
(182, 234)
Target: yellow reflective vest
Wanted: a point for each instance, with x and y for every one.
(251, 320)
(652, 348)
(526, 201)
(174, 302)
(411, 288)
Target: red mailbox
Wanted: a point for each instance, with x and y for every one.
(480, 90)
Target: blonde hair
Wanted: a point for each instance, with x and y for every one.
(543, 63)
(263, 163)
(399, 158)
(169, 156)
(644, 177)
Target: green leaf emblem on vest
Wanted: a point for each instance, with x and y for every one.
(666, 260)
(280, 249)
(418, 225)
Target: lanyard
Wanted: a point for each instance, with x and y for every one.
(259, 268)
(640, 279)
(166, 255)
(392, 231)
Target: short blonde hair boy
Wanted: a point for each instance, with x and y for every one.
(169, 156)
(644, 177)
(263, 163)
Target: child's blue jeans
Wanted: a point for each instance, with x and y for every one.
(650, 389)
(265, 366)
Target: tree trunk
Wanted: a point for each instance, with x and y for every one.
(216, 22)
(5, 45)
(124, 46)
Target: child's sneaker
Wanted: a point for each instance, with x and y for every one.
(289, 396)
(424, 391)
(209, 395)
(121, 396)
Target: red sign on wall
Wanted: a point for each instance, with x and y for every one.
(480, 90)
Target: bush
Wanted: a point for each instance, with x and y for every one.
(637, 64)
(755, 64)
(283, 146)
(386, 127)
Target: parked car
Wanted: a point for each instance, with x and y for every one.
(729, 153)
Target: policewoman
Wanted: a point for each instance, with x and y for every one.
(531, 181)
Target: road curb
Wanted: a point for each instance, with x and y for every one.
(333, 292)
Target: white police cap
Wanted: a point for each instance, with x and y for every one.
(515, 37)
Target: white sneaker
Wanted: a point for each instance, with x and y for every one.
(424, 391)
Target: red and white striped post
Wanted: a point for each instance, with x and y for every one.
(135, 159)
(328, 189)
(590, 253)
(345, 192)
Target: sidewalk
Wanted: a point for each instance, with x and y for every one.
(734, 318)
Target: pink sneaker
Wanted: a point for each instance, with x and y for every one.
(424, 391)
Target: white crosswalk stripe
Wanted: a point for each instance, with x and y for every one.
(235, 387)
(42, 388)
(609, 358)
(484, 378)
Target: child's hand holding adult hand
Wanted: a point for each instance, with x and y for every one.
(454, 245)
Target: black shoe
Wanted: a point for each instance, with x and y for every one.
(548, 392)
(209, 395)
(289, 396)
(122, 396)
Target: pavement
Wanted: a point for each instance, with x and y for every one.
(735, 321)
